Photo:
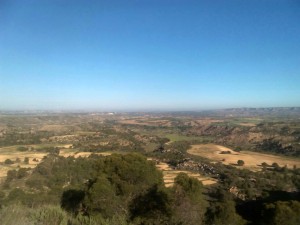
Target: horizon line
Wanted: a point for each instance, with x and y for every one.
(138, 110)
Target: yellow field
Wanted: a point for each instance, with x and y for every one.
(12, 154)
(71, 152)
(253, 160)
(170, 174)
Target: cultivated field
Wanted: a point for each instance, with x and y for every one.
(253, 160)
(170, 174)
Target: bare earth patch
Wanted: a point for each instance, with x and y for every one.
(253, 160)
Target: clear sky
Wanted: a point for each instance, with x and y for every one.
(149, 54)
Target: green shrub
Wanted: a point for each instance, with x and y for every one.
(240, 162)
(9, 162)
(49, 215)
(22, 149)
(15, 215)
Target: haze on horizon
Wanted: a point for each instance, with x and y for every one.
(149, 54)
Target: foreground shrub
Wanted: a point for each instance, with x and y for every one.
(15, 215)
(50, 215)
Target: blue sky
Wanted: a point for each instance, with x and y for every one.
(149, 54)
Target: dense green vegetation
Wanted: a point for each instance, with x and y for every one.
(127, 188)
(102, 188)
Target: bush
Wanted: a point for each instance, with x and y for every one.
(275, 165)
(9, 162)
(240, 162)
(26, 160)
(225, 152)
(11, 174)
(18, 160)
(238, 149)
(15, 215)
(22, 172)
(223, 213)
(152, 207)
(189, 204)
(282, 212)
(22, 149)
(71, 200)
(50, 215)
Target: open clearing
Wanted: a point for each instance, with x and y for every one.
(253, 160)
(76, 154)
(170, 174)
(13, 154)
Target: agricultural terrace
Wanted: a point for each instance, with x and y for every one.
(169, 175)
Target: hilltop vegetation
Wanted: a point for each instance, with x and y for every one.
(124, 187)
(53, 172)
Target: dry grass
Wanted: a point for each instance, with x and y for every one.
(253, 160)
(12, 154)
(76, 154)
(170, 174)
